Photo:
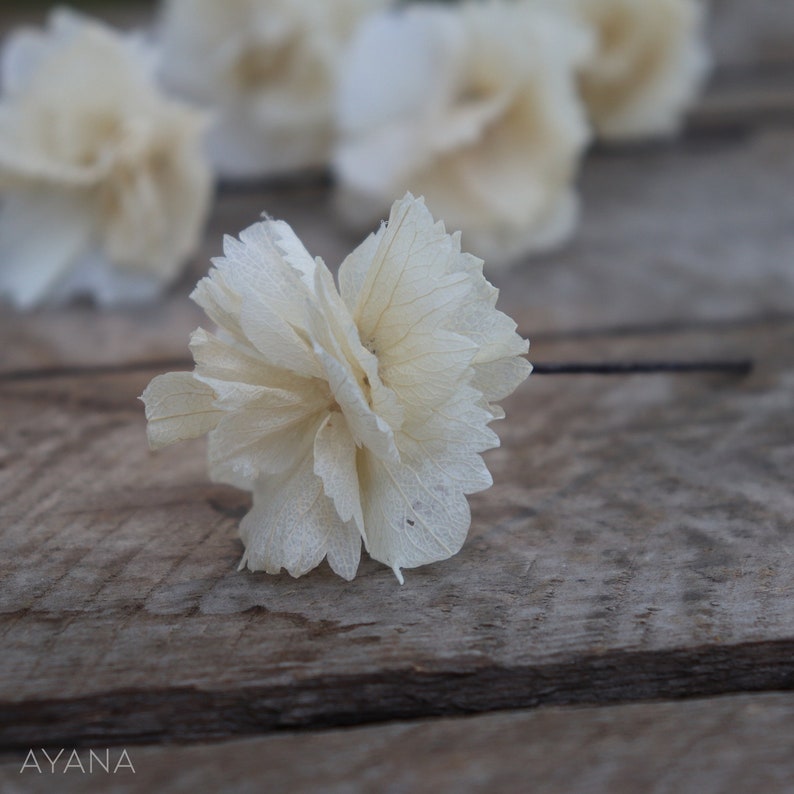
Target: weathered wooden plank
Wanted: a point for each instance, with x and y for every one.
(745, 35)
(637, 544)
(689, 232)
(738, 102)
(736, 744)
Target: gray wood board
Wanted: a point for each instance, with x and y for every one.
(637, 543)
(746, 35)
(681, 234)
(737, 744)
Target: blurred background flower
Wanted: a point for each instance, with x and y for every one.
(267, 69)
(648, 65)
(104, 183)
(484, 107)
(483, 119)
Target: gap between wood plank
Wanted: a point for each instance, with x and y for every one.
(187, 714)
(620, 331)
(734, 367)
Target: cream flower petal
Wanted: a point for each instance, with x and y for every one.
(293, 525)
(107, 286)
(342, 336)
(346, 374)
(490, 128)
(178, 407)
(344, 550)
(463, 325)
(20, 58)
(402, 121)
(287, 245)
(648, 66)
(441, 464)
(288, 279)
(265, 306)
(225, 358)
(266, 68)
(277, 340)
(414, 514)
(41, 236)
(221, 304)
(351, 416)
(268, 436)
(269, 414)
(82, 119)
(365, 426)
(419, 293)
(335, 464)
(456, 432)
(410, 290)
(498, 366)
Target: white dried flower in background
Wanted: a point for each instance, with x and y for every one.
(351, 416)
(483, 119)
(104, 183)
(649, 63)
(267, 69)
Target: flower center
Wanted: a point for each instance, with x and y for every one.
(261, 63)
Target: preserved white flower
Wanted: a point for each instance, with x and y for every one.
(267, 69)
(357, 414)
(103, 180)
(648, 66)
(483, 119)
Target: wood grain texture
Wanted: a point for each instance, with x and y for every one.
(733, 744)
(744, 36)
(675, 234)
(637, 543)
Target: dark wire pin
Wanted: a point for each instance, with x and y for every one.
(740, 367)
(743, 366)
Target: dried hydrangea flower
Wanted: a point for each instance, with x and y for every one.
(647, 67)
(484, 120)
(267, 69)
(357, 414)
(104, 183)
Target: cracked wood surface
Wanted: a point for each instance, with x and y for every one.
(730, 744)
(637, 543)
